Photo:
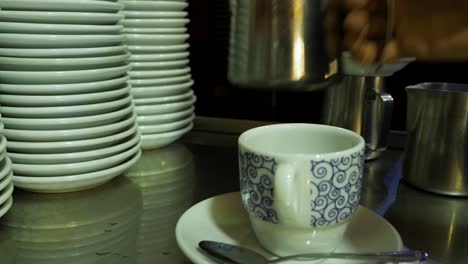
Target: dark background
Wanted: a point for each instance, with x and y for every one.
(209, 33)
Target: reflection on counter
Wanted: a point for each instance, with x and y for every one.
(92, 226)
(435, 223)
(166, 180)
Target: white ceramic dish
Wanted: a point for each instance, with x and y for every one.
(152, 95)
(62, 77)
(2, 145)
(154, 5)
(74, 157)
(136, 49)
(158, 81)
(168, 127)
(65, 111)
(48, 124)
(155, 23)
(62, 64)
(163, 139)
(65, 89)
(6, 193)
(92, 18)
(63, 53)
(159, 65)
(64, 100)
(69, 134)
(223, 218)
(10, 40)
(164, 108)
(180, 30)
(155, 73)
(154, 14)
(6, 206)
(5, 182)
(54, 147)
(74, 182)
(147, 100)
(66, 169)
(5, 167)
(152, 39)
(61, 5)
(37, 28)
(158, 57)
(164, 118)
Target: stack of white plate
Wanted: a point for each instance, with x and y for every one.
(93, 226)
(156, 35)
(166, 180)
(65, 101)
(6, 174)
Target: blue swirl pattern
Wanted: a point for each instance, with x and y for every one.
(256, 185)
(335, 189)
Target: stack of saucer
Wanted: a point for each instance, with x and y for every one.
(66, 105)
(6, 186)
(165, 178)
(156, 35)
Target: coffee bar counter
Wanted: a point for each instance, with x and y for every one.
(133, 218)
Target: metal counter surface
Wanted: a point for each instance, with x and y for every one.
(132, 218)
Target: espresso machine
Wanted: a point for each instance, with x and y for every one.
(296, 45)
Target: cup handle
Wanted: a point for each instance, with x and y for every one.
(286, 193)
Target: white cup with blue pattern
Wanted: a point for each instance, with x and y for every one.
(300, 184)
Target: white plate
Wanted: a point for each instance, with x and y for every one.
(2, 145)
(74, 182)
(152, 39)
(64, 89)
(163, 139)
(6, 193)
(164, 108)
(5, 167)
(73, 157)
(157, 81)
(153, 6)
(162, 128)
(36, 28)
(5, 206)
(151, 49)
(155, 23)
(65, 111)
(69, 134)
(61, 5)
(64, 100)
(62, 64)
(164, 118)
(152, 95)
(92, 18)
(74, 145)
(5, 181)
(62, 77)
(155, 73)
(159, 65)
(154, 14)
(63, 53)
(10, 40)
(48, 124)
(158, 57)
(128, 30)
(223, 218)
(67, 169)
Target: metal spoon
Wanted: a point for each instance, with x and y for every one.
(226, 253)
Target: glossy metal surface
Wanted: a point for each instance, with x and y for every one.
(361, 104)
(437, 148)
(165, 182)
(281, 44)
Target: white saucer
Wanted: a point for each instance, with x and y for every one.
(93, 18)
(7, 191)
(168, 127)
(180, 30)
(61, 5)
(37, 28)
(155, 23)
(163, 139)
(63, 53)
(157, 74)
(13, 40)
(156, 95)
(163, 57)
(154, 5)
(157, 109)
(223, 218)
(6, 206)
(164, 118)
(158, 48)
(154, 14)
(153, 39)
(157, 81)
(159, 65)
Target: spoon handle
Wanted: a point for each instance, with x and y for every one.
(410, 256)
